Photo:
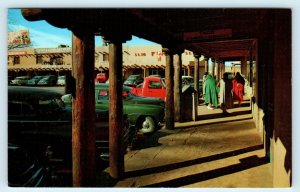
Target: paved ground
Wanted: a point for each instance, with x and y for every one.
(224, 152)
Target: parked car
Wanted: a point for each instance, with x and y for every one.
(9, 78)
(26, 171)
(187, 80)
(61, 81)
(34, 80)
(133, 80)
(152, 86)
(40, 123)
(146, 114)
(48, 80)
(101, 78)
(22, 80)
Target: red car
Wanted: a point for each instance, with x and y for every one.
(152, 86)
(101, 78)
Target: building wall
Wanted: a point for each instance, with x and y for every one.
(142, 59)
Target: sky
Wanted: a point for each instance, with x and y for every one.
(44, 35)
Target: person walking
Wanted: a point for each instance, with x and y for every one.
(225, 99)
(238, 84)
(203, 84)
(211, 95)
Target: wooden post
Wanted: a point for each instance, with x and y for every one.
(196, 73)
(217, 70)
(206, 64)
(83, 110)
(188, 70)
(177, 85)
(213, 67)
(196, 86)
(169, 107)
(244, 67)
(116, 155)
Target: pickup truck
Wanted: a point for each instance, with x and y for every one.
(153, 86)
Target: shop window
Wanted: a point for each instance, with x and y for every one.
(39, 59)
(105, 57)
(58, 60)
(16, 60)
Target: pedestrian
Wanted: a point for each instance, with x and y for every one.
(238, 84)
(225, 99)
(211, 95)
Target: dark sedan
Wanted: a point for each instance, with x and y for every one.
(40, 133)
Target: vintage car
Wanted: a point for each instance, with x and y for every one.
(152, 86)
(145, 113)
(61, 81)
(34, 80)
(101, 78)
(21, 80)
(48, 80)
(133, 80)
(40, 124)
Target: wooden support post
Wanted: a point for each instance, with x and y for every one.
(169, 108)
(196, 86)
(83, 110)
(213, 67)
(206, 63)
(217, 70)
(116, 154)
(196, 73)
(244, 67)
(188, 70)
(177, 85)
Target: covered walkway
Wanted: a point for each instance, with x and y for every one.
(222, 152)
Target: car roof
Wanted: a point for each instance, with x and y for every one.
(185, 76)
(105, 86)
(27, 93)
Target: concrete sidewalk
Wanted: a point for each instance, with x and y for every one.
(225, 152)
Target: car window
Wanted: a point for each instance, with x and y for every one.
(19, 108)
(50, 104)
(154, 85)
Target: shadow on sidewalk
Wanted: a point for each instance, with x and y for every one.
(174, 166)
(245, 163)
(220, 115)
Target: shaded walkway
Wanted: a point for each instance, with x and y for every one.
(222, 152)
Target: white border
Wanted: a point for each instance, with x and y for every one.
(5, 4)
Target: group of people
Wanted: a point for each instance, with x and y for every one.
(228, 91)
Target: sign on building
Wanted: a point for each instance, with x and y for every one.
(17, 38)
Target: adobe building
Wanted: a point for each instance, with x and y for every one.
(144, 60)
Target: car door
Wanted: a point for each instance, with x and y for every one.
(155, 89)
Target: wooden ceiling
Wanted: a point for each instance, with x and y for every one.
(218, 33)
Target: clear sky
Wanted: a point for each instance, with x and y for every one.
(44, 35)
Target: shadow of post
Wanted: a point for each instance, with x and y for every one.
(174, 166)
(246, 163)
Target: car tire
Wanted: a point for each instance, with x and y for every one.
(147, 125)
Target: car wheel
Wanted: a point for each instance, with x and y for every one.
(147, 125)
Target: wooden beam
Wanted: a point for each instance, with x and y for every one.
(32, 14)
(83, 111)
